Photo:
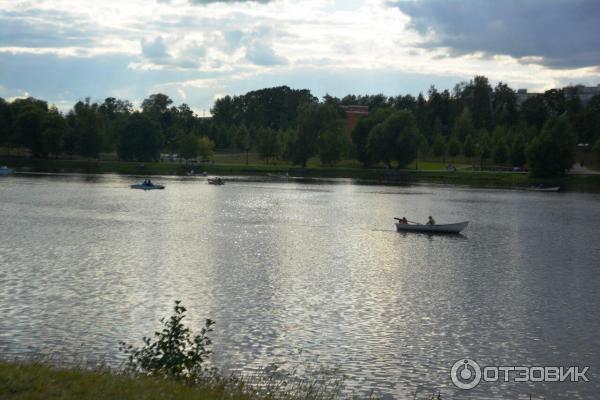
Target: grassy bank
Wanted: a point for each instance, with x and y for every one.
(394, 176)
(38, 381)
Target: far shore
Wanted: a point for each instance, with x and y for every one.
(462, 177)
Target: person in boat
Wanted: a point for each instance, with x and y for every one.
(404, 221)
(431, 221)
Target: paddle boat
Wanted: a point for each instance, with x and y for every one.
(216, 181)
(436, 228)
(4, 170)
(542, 188)
(147, 185)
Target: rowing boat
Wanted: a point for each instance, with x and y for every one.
(438, 228)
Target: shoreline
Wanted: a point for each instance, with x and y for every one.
(369, 176)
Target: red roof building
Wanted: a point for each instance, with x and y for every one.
(353, 113)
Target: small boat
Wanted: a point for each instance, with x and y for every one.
(147, 186)
(437, 228)
(216, 181)
(4, 170)
(542, 188)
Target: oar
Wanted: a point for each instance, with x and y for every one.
(412, 222)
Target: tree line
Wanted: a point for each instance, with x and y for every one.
(473, 120)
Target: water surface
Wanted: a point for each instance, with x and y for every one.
(301, 272)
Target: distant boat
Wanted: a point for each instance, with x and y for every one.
(437, 228)
(147, 186)
(542, 188)
(216, 181)
(4, 170)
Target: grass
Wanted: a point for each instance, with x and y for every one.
(37, 381)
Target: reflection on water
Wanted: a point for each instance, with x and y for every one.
(289, 266)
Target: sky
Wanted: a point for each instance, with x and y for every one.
(196, 51)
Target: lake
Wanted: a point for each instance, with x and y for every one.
(307, 272)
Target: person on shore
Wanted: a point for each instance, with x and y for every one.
(431, 221)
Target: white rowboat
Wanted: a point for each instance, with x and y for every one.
(438, 228)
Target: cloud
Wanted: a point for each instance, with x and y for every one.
(259, 47)
(556, 33)
(204, 2)
(155, 49)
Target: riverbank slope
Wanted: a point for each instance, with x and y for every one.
(405, 176)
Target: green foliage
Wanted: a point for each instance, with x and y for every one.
(206, 148)
(469, 147)
(500, 151)
(269, 144)
(394, 139)
(517, 152)
(483, 146)
(439, 146)
(553, 151)
(140, 139)
(313, 121)
(333, 144)
(463, 125)
(504, 105)
(361, 131)
(453, 147)
(189, 146)
(174, 352)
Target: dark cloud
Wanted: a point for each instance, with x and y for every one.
(564, 33)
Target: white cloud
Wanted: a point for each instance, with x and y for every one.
(228, 47)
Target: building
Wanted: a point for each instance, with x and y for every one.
(353, 113)
(585, 93)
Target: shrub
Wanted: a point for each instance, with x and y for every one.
(174, 352)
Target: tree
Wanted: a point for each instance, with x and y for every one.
(517, 151)
(534, 111)
(453, 147)
(504, 105)
(53, 129)
(439, 146)
(395, 139)
(463, 125)
(29, 129)
(206, 148)
(500, 151)
(469, 147)
(596, 149)
(5, 122)
(313, 120)
(477, 95)
(361, 131)
(483, 146)
(140, 139)
(422, 148)
(333, 143)
(84, 122)
(269, 144)
(188, 146)
(553, 151)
